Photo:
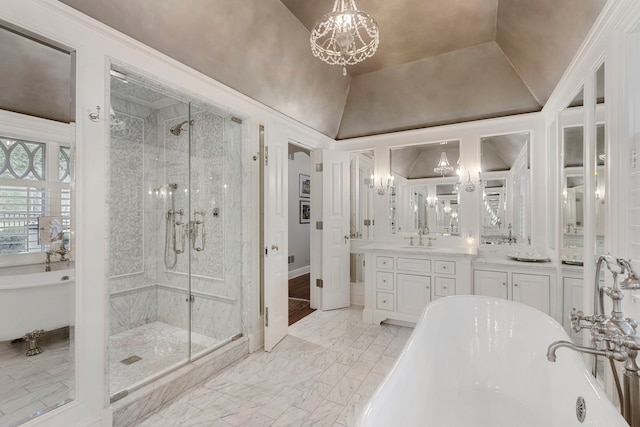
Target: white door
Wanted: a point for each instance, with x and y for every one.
(336, 248)
(275, 227)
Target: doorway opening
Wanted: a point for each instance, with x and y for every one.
(299, 258)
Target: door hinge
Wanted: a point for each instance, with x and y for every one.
(318, 225)
(266, 316)
(318, 167)
(266, 155)
(266, 251)
(319, 283)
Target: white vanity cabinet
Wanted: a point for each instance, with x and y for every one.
(400, 282)
(530, 284)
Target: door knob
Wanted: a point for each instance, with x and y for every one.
(274, 248)
(346, 239)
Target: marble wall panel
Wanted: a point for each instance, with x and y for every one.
(126, 244)
(130, 309)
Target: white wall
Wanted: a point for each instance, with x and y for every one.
(299, 234)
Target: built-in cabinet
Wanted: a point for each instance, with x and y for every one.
(527, 283)
(572, 298)
(529, 289)
(399, 283)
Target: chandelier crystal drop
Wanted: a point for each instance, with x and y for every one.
(345, 36)
(443, 167)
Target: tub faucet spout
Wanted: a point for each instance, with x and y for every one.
(551, 351)
(62, 253)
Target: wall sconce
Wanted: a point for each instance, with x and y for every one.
(469, 186)
(381, 189)
(470, 238)
(432, 202)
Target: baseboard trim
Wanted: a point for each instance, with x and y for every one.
(299, 272)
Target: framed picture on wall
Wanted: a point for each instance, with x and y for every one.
(305, 211)
(305, 186)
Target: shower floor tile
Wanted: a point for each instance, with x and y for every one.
(142, 352)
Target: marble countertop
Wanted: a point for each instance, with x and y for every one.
(421, 250)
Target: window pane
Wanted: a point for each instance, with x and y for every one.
(22, 159)
(19, 212)
(64, 156)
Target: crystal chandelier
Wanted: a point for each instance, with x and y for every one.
(443, 167)
(345, 36)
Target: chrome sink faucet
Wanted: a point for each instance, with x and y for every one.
(613, 336)
(420, 234)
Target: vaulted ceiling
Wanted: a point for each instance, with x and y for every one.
(439, 61)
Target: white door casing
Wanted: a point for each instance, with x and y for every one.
(275, 229)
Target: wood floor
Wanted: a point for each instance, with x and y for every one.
(299, 296)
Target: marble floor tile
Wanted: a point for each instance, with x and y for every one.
(32, 385)
(321, 374)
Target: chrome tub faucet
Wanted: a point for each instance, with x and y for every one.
(612, 336)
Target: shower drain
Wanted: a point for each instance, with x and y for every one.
(131, 359)
(581, 409)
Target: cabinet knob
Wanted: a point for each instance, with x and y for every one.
(444, 287)
(504, 284)
(444, 267)
(515, 284)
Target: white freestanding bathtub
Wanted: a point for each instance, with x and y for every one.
(480, 361)
(35, 301)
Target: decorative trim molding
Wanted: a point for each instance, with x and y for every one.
(198, 294)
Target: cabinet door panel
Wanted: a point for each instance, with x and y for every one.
(414, 292)
(532, 290)
(490, 284)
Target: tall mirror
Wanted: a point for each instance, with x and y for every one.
(506, 197)
(362, 167)
(424, 196)
(600, 161)
(573, 194)
(36, 225)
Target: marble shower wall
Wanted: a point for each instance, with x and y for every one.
(146, 157)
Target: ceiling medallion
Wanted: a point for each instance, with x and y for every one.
(345, 36)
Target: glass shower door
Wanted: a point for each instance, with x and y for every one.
(175, 233)
(149, 219)
(216, 229)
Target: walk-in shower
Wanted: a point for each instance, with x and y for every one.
(175, 231)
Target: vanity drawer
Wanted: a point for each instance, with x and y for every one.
(445, 286)
(384, 280)
(445, 267)
(412, 264)
(384, 301)
(385, 262)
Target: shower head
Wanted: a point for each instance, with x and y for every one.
(177, 129)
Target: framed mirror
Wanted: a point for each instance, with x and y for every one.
(424, 195)
(37, 236)
(600, 160)
(506, 196)
(361, 222)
